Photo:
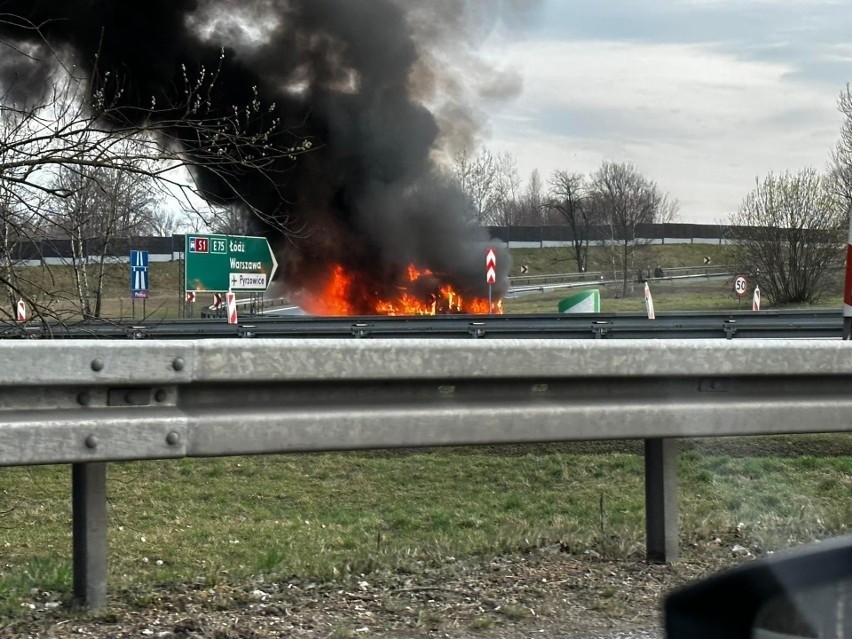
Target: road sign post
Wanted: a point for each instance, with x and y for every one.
(740, 288)
(490, 272)
(139, 274)
(231, 301)
(222, 263)
(649, 302)
(189, 301)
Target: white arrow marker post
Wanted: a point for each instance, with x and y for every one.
(490, 272)
(755, 301)
(231, 302)
(649, 302)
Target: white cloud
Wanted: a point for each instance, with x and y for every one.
(669, 78)
(838, 53)
(700, 121)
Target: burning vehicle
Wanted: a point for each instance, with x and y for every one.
(417, 292)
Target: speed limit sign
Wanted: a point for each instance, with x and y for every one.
(740, 285)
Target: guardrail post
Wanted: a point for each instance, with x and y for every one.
(661, 535)
(89, 506)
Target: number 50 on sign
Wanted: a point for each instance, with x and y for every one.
(740, 285)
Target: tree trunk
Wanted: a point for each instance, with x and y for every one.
(9, 275)
(81, 276)
(100, 278)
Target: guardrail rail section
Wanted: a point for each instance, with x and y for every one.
(798, 324)
(106, 401)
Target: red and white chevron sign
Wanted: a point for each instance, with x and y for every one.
(231, 301)
(21, 311)
(490, 266)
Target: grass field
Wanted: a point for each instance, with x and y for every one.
(326, 517)
(694, 295)
(54, 287)
(561, 259)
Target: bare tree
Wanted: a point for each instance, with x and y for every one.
(626, 199)
(228, 220)
(72, 128)
(493, 189)
(533, 201)
(840, 172)
(840, 168)
(508, 210)
(12, 232)
(101, 204)
(162, 222)
(82, 127)
(20, 227)
(190, 221)
(569, 197)
(788, 234)
(478, 178)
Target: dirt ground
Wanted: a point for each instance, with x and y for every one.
(545, 592)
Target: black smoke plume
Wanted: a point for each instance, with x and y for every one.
(351, 76)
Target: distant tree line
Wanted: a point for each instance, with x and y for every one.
(674, 232)
(616, 197)
(788, 232)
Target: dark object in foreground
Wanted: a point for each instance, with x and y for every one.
(802, 593)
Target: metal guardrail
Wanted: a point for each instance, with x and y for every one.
(543, 288)
(595, 277)
(590, 276)
(101, 401)
(258, 304)
(115, 400)
(688, 325)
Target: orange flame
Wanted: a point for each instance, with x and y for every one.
(334, 298)
(338, 296)
(414, 274)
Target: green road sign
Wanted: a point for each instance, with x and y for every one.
(228, 263)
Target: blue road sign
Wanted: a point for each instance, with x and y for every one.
(139, 274)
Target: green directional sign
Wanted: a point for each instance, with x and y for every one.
(220, 263)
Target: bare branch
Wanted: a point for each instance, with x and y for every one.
(788, 233)
(79, 163)
(625, 200)
(569, 197)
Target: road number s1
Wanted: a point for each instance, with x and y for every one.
(199, 245)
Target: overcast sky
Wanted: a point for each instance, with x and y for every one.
(701, 95)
